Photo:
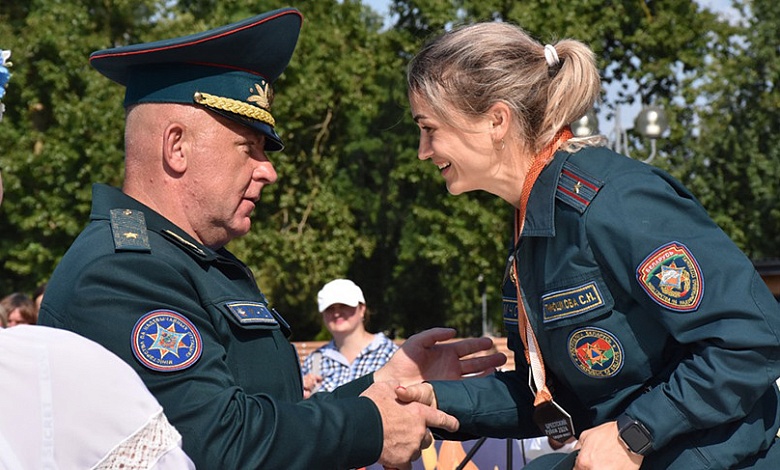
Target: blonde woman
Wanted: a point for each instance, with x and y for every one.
(643, 330)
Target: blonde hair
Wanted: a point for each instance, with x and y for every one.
(473, 67)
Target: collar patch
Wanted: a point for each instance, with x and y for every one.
(671, 276)
(576, 188)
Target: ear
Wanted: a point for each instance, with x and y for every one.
(499, 116)
(175, 149)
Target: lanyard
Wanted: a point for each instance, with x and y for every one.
(537, 378)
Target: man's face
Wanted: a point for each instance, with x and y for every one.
(227, 170)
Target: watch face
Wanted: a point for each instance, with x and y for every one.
(635, 438)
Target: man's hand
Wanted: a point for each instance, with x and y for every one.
(601, 448)
(422, 358)
(311, 382)
(405, 425)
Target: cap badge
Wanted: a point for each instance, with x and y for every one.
(264, 96)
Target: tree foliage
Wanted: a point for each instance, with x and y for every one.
(352, 199)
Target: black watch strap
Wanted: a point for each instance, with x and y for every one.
(634, 435)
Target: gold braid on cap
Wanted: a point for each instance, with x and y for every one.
(235, 107)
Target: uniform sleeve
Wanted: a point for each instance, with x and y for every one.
(712, 302)
(499, 405)
(234, 429)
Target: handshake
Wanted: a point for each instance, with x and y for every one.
(407, 405)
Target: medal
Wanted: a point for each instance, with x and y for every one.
(554, 421)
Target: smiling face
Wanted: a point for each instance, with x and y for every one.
(473, 153)
(464, 151)
(342, 320)
(226, 171)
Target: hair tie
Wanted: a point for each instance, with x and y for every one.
(551, 55)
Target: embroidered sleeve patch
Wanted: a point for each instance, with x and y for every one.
(672, 278)
(166, 341)
(571, 302)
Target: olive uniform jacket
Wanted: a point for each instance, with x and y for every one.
(194, 325)
(640, 305)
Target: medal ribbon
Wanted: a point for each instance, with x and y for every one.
(532, 353)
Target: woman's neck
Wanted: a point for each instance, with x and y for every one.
(351, 344)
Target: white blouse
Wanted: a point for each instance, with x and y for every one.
(68, 403)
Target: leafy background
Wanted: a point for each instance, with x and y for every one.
(352, 199)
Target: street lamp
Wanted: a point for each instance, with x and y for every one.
(586, 125)
(651, 122)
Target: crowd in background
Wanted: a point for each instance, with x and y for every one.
(20, 308)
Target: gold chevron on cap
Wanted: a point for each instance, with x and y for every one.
(236, 107)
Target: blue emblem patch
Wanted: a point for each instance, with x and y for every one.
(251, 313)
(595, 352)
(166, 341)
(571, 302)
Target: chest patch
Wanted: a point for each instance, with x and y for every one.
(509, 305)
(571, 302)
(672, 278)
(166, 341)
(597, 353)
(251, 313)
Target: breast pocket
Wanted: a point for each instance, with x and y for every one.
(594, 345)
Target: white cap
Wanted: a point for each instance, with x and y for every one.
(340, 291)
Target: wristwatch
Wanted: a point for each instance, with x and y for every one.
(634, 435)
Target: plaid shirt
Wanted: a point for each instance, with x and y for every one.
(336, 370)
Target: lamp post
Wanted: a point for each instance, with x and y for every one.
(651, 122)
(482, 286)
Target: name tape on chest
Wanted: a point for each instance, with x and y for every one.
(571, 302)
(251, 313)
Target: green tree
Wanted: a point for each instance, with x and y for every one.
(732, 158)
(352, 198)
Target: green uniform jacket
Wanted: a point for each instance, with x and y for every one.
(193, 323)
(642, 305)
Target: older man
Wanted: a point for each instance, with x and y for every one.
(150, 279)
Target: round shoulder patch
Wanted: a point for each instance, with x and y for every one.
(166, 341)
(595, 352)
(672, 278)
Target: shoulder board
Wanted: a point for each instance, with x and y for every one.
(577, 188)
(129, 230)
